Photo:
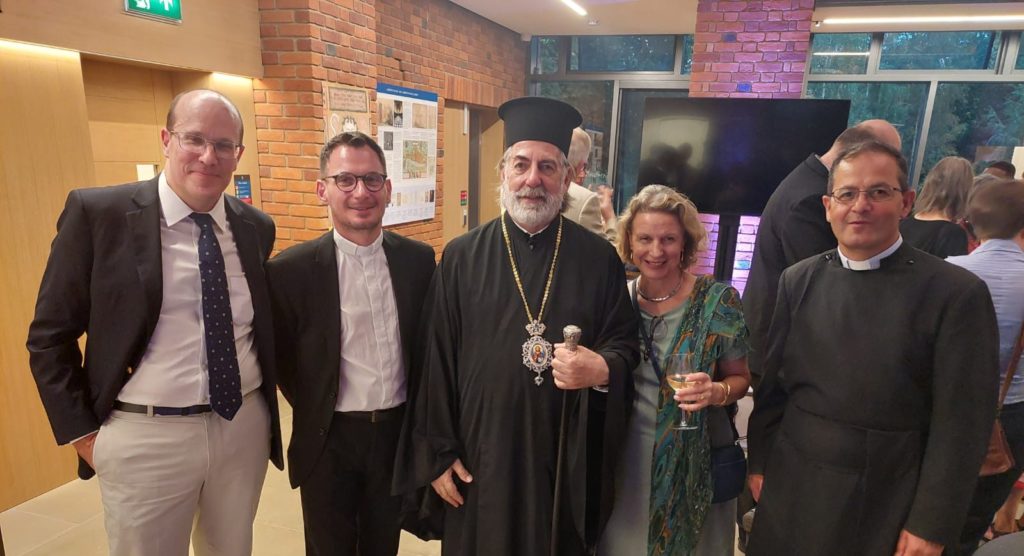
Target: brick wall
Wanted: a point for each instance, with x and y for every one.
(437, 46)
(748, 49)
(751, 48)
(426, 44)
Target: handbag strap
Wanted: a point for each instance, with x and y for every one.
(1011, 369)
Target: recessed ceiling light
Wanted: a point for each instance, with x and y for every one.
(924, 19)
(575, 7)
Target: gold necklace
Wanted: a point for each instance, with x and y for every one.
(537, 352)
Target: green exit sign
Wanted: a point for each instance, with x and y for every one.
(163, 10)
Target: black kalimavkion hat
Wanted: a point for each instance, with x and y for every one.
(539, 119)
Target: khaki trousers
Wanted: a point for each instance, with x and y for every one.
(164, 479)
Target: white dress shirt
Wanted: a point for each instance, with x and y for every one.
(873, 263)
(372, 375)
(173, 372)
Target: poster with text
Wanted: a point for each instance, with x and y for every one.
(407, 131)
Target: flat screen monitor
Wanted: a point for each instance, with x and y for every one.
(729, 154)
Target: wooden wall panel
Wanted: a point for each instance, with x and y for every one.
(213, 36)
(44, 153)
(127, 108)
(456, 171)
(492, 141)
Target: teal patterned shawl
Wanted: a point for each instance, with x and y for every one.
(681, 486)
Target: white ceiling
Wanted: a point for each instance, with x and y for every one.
(614, 17)
(653, 17)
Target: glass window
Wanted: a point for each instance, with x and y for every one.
(623, 53)
(840, 53)
(982, 122)
(594, 100)
(942, 50)
(631, 123)
(544, 55)
(687, 54)
(1020, 58)
(902, 104)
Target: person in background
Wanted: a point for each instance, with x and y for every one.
(997, 214)
(663, 497)
(879, 390)
(174, 404)
(347, 309)
(934, 226)
(583, 206)
(1002, 169)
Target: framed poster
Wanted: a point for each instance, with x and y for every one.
(407, 131)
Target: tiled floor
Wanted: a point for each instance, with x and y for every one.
(69, 520)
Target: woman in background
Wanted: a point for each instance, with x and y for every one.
(664, 489)
(934, 225)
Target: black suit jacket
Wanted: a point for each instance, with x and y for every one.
(307, 320)
(104, 279)
(792, 228)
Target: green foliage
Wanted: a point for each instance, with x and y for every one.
(859, 43)
(943, 50)
(974, 120)
(902, 104)
(623, 53)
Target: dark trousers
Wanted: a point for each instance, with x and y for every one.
(992, 491)
(347, 506)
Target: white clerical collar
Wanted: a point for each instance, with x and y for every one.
(351, 248)
(874, 262)
(175, 210)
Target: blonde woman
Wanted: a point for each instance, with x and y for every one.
(663, 499)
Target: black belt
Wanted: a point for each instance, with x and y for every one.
(376, 416)
(152, 410)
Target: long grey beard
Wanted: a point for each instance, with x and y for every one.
(531, 217)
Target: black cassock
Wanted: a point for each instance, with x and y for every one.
(876, 406)
(478, 402)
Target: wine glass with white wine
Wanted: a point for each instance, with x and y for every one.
(677, 367)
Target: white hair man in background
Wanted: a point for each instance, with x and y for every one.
(591, 210)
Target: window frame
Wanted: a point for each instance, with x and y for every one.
(1003, 72)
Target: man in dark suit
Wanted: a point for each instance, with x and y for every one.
(174, 403)
(347, 308)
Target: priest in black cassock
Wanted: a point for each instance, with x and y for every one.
(879, 386)
(483, 431)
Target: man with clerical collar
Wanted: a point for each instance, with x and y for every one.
(346, 309)
(485, 427)
(878, 396)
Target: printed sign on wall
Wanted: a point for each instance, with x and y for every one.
(407, 131)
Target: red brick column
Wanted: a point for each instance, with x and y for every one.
(751, 48)
(433, 45)
(748, 49)
(304, 42)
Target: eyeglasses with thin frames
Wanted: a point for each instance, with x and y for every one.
(196, 144)
(346, 181)
(848, 195)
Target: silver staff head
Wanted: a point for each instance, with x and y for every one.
(572, 336)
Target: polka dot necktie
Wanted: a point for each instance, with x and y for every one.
(221, 359)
